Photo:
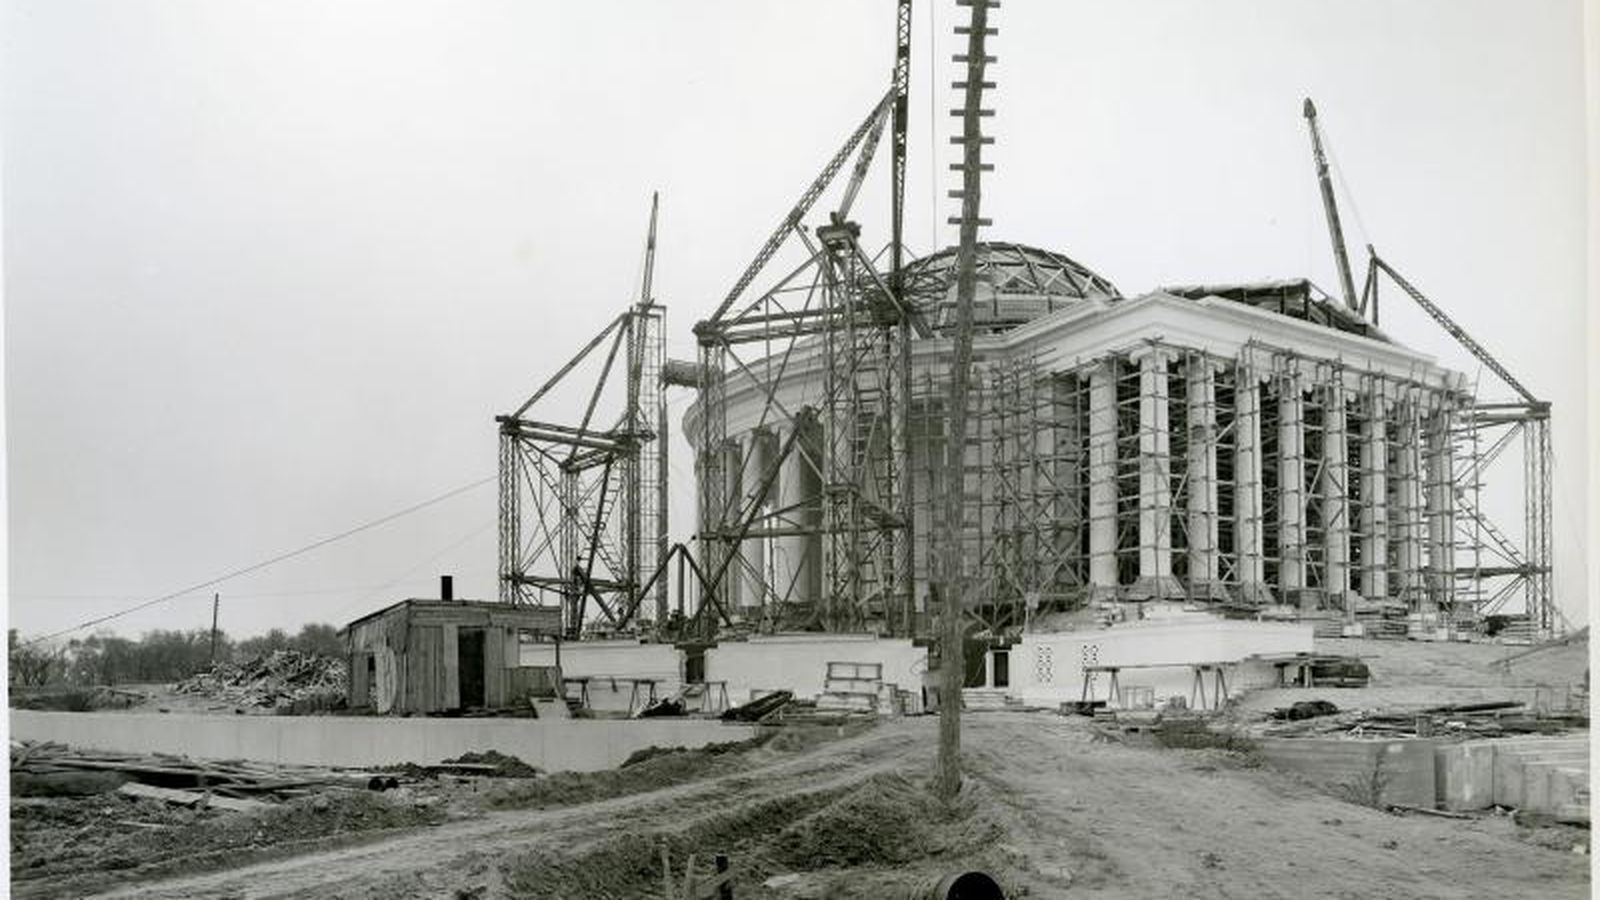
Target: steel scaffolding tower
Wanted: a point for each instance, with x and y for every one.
(582, 507)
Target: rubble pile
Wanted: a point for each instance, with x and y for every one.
(278, 679)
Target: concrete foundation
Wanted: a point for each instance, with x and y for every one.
(1047, 668)
(612, 668)
(552, 745)
(799, 662)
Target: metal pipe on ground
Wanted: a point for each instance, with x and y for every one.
(973, 885)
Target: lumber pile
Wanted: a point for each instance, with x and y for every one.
(282, 678)
(1467, 720)
(229, 784)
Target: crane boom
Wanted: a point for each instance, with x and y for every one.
(1457, 332)
(803, 205)
(1331, 207)
(897, 140)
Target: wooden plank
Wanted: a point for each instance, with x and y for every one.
(430, 691)
(188, 798)
(441, 650)
(360, 684)
(415, 674)
(452, 665)
(494, 667)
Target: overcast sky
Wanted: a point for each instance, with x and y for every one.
(271, 268)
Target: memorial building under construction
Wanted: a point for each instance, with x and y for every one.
(1217, 454)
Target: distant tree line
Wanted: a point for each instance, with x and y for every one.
(156, 656)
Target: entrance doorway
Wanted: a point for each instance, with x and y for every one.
(469, 664)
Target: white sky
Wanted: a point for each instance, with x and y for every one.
(271, 268)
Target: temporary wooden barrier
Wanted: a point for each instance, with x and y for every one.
(714, 885)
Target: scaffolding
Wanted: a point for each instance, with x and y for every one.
(836, 311)
(582, 508)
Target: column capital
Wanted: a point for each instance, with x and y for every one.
(1158, 354)
(1248, 373)
(1101, 366)
(1206, 365)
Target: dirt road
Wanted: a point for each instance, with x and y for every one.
(1077, 816)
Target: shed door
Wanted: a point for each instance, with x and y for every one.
(469, 660)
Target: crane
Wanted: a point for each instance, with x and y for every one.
(1335, 231)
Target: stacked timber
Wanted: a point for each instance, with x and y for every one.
(50, 768)
(1462, 720)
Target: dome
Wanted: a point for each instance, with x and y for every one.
(1015, 284)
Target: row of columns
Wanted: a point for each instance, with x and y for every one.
(1406, 514)
(1421, 490)
(785, 564)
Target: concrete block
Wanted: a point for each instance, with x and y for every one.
(1548, 786)
(1464, 775)
(1372, 772)
(1516, 760)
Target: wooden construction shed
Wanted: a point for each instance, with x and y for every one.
(426, 656)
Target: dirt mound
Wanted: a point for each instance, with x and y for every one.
(648, 774)
(887, 820)
(506, 766)
(882, 823)
(280, 678)
(652, 751)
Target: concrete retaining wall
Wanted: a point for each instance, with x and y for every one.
(1547, 775)
(1377, 772)
(554, 745)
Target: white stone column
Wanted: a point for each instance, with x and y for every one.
(1405, 518)
(1291, 488)
(1336, 495)
(1248, 521)
(732, 482)
(1204, 553)
(1155, 478)
(795, 554)
(1102, 480)
(758, 452)
(1375, 495)
(1441, 509)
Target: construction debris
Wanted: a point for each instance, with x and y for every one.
(759, 708)
(1465, 720)
(40, 768)
(1305, 709)
(285, 680)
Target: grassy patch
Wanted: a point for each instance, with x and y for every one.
(1193, 734)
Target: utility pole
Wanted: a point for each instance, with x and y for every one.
(951, 658)
(216, 599)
